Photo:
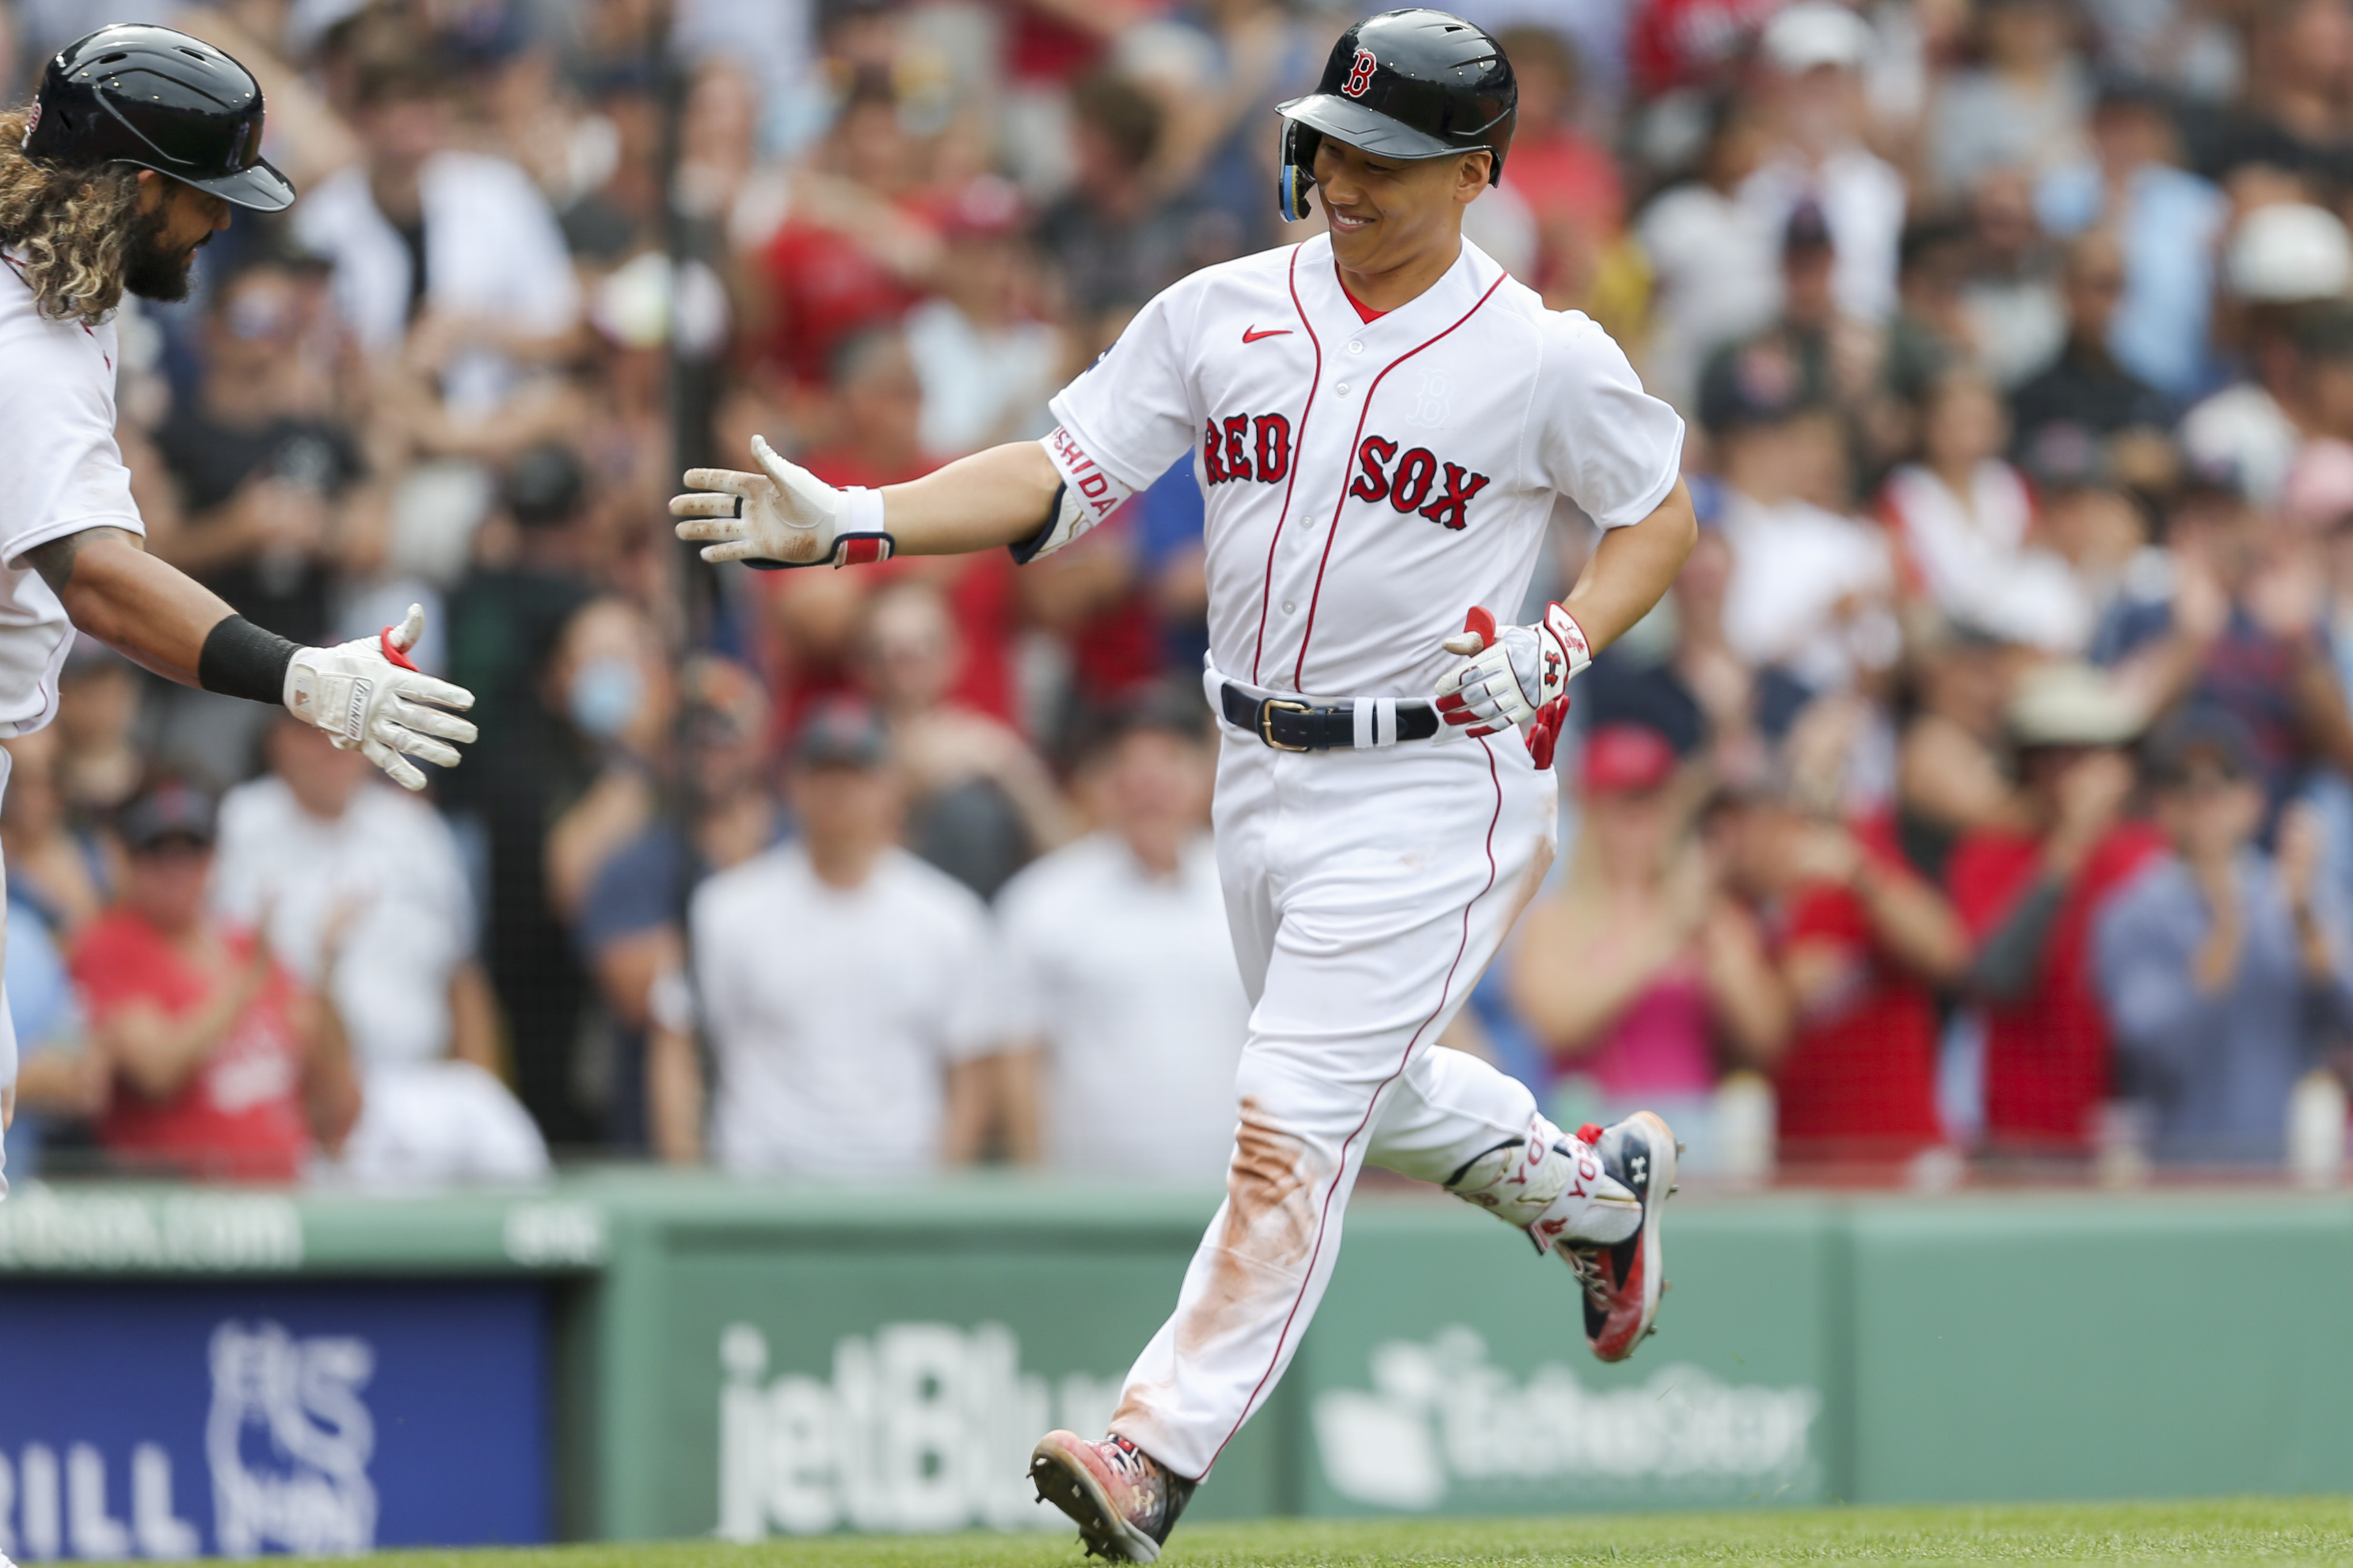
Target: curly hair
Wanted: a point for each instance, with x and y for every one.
(72, 228)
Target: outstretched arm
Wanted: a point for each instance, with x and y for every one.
(143, 608)
(364, 694)
(783, 515)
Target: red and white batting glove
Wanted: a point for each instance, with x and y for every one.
(782, 516)
(1517, 676)
(371, 699)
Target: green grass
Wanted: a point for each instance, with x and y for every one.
(2259, 1529)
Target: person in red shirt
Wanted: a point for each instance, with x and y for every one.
(812, 617)
(223, 1068)
(1862, 944)
(2029, 899)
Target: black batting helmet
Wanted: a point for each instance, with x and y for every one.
(1404, 84)
(132, 93)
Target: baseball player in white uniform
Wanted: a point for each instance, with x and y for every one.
(138, 143)
(1380, 420)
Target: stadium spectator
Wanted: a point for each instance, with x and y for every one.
(100, 762)
(63, 871)
(981, 803)
(1643, 973)
(2029, 896)
(845, 1058)
(360, 893)
(2022, 107)
(632, 925)
(224, 1069)
(1808, 603)
(2017, 321)
(1110, 243)
(2225, 970)
(2166, 222)
(2284, 262)
(1860, 944)
(2084, 390)
(448, 258)
(1815, 52)
(985, 366)
(1952, 768)
(1717, 260)
(1963, 521)
(1119, 981)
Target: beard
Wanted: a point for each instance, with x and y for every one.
(151, 268)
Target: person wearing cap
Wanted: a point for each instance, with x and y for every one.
(1815, 52)
(1119, 977)
(836, 1056)
(2027, 896)
(137, 145)
(2287, 268)
(2225, 970)
(1642, 974)
(224, 1066)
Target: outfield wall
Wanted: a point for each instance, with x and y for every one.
(634, 1355)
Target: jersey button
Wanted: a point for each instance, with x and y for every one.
(1341, 388)
(1288, 607)
(1356, 348)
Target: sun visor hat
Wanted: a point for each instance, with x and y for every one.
(159, 100)
(1404, 84)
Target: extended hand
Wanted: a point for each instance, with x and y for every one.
(369, 698)
(1517, 676)
(782, 516)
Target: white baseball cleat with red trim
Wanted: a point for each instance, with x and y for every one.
(1623, 1280)
(1123, 1500)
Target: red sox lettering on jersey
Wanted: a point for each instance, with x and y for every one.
(1365, 482)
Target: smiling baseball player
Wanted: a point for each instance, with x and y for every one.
(1380, 421)
(139, 141)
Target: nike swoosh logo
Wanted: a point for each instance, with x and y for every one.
(1251, 336)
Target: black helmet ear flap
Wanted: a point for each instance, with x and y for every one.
(1298, 174)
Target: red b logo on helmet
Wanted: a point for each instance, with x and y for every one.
(1360, 74)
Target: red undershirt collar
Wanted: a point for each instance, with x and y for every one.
(1365, 313)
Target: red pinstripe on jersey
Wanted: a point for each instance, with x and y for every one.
(1298, 672)
(1298, 445)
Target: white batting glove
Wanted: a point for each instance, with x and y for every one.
(782, 516)
(1518, 676)
(368, 696)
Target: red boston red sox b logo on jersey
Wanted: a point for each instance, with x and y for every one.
(1360, 74)
(1406, 486)
(1228, 451)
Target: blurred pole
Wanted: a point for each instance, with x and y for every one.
(686, 384)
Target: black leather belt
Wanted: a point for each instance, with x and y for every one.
(1289, 725)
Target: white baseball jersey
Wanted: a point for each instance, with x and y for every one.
(64, 473)
(1367, 482)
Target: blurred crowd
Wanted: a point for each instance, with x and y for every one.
(1980, 800)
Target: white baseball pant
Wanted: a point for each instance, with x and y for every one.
(1367, 891)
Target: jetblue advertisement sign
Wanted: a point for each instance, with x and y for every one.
(192, 1420)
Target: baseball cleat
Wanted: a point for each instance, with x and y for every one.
(1123, 1500)
(1622, 1282)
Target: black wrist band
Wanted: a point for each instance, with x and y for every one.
(240, 659)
